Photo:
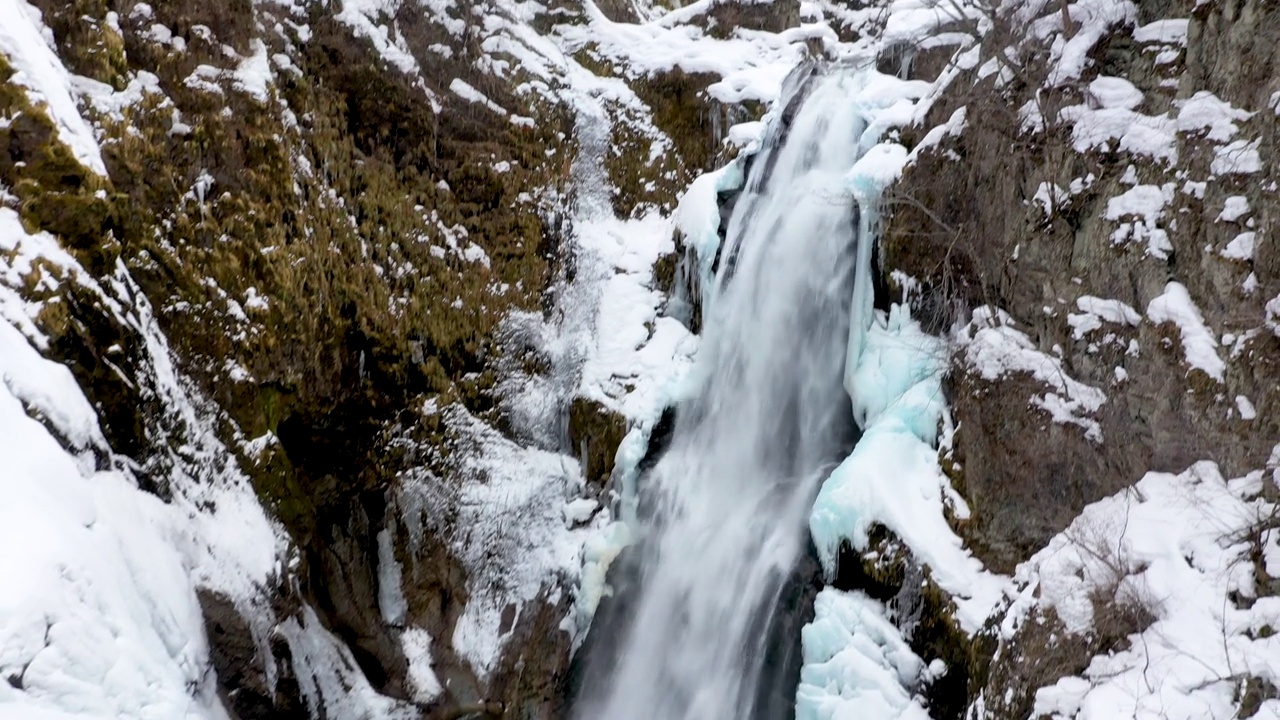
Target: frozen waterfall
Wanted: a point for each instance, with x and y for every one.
(723, 517)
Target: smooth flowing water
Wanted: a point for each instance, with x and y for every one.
(723, 513)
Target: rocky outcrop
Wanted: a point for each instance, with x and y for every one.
(329, 241)
(968, 219)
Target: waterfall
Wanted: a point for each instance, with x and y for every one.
(722, 519)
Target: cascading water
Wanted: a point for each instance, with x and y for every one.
(723, 514)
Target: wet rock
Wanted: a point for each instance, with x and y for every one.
(242, 671)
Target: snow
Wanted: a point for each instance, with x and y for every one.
(1239, 157)
(1135, 132)
(1178, 546)
(654, 360)
(1169, 31)
(1114, 92)
(1247, 411)
(636, 368)
(362, 15)
(253, 74)
(417, 651)
(28, 46)
(698, 219)
(472, 95)
(751, 65)
(1200, 348)
(1095, 311)
(856, 663)
(994, 348)
(1234, 208)
(1145, 204)
(1240, 247)
(1097, 17)
(745, 134)
(1205, 112)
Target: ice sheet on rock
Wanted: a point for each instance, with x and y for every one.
(97, 614)
(28, 46)
(856, 664)
(892, 477)
(416, 644)
(330, 680)
(391, 602)
(1199, 345)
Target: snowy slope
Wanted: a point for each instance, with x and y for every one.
(100, 616)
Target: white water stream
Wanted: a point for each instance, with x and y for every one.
(724, 512)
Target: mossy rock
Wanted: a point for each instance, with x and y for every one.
(595, 433)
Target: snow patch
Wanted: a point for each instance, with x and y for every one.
(994, 348)
(28, 46)
(1198, 343)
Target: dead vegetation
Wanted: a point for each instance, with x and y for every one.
(1042, 650)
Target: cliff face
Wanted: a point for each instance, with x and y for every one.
(1092, 218)
(1146, 167)
(373, 307)
(323, 257)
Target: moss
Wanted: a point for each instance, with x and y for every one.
(55, 192)
(1042, 651)
(664, 272)
(595, 432)
(278, 486)
(88, 45)
(1252, 693)
(938, 635)
(332, 221)
(682, 110)
(679, 107)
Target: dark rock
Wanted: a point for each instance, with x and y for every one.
(241, 669)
